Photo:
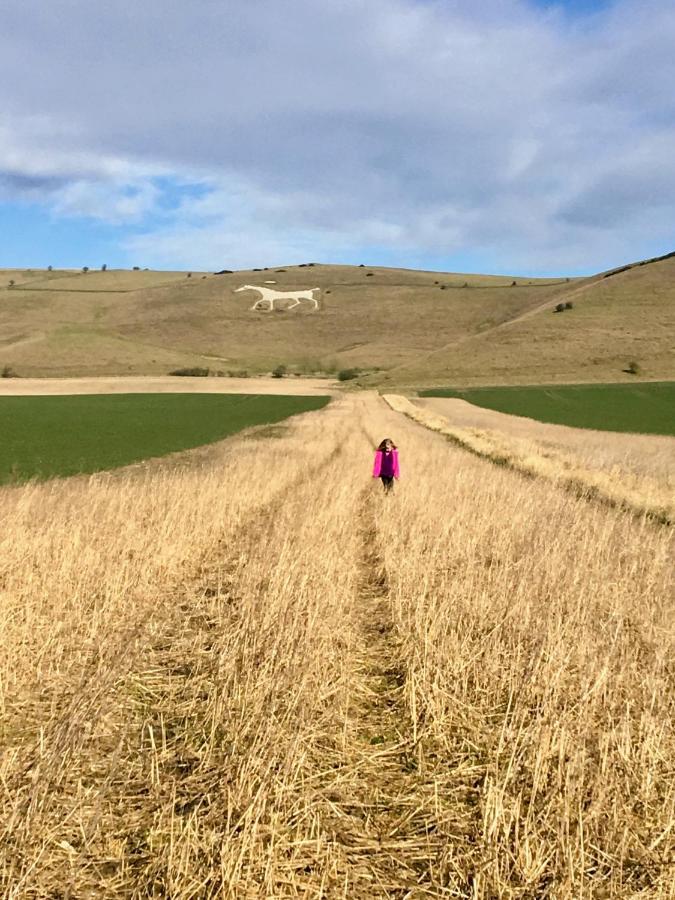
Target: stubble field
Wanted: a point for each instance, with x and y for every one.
(254, 675)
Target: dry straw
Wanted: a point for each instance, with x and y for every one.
(644, 491)
(254, 674)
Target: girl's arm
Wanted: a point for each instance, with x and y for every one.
(377, 465)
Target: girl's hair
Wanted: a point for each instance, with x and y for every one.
(385, 441)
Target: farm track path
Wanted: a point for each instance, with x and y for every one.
(388, 836)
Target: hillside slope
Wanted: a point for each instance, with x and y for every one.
(408, 328)
(64, 323)
(629, 316)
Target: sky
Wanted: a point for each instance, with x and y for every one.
(513, 136)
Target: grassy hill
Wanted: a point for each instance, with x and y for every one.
(406, 327)
(617, 318)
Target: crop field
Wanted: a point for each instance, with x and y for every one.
(48, 436)
(648, 407)
(257, 675)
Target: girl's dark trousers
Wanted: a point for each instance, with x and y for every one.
(387, 482)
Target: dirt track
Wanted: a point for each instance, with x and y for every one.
(164, 384)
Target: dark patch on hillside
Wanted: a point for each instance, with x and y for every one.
(635, 265)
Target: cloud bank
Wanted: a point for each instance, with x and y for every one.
(247, 133)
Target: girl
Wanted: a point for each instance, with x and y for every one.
(386, 463)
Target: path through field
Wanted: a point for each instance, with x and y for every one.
(260, 676)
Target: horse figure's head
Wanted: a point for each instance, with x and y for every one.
(246, 287)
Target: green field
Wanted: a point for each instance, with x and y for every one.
(44, 437)
(648, 408)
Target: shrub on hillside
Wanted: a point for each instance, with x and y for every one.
(49, 268)
(85, 269)
(104, 267)
(559, 307)
(633, 367)
(11, 282)
(347, 374)
(279, 372)
(8, 372)
(195, 371)
(569, 304)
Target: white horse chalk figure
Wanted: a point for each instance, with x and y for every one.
(291, 299)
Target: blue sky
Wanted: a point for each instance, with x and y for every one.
(517, 136)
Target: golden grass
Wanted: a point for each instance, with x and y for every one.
(256, 676)
(608, 469)
(618, 453)
(167, 384)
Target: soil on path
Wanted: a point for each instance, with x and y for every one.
(390, 840)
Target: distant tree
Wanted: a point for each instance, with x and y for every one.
(194, 371)
(567, 280)
(466, 284)
(633, 367)
(49, 268)
(347, 374)
(137, 268)
(104, 267)
(189, 274)
(85, 269)
(11, 282)
(8, 372)
(513, 284)
(559, 307)
(279, 372)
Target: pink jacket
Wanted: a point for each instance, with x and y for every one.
(377, 466)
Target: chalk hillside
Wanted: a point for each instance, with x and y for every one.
(396, 326)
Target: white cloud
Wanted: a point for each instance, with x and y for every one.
(522, 135)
